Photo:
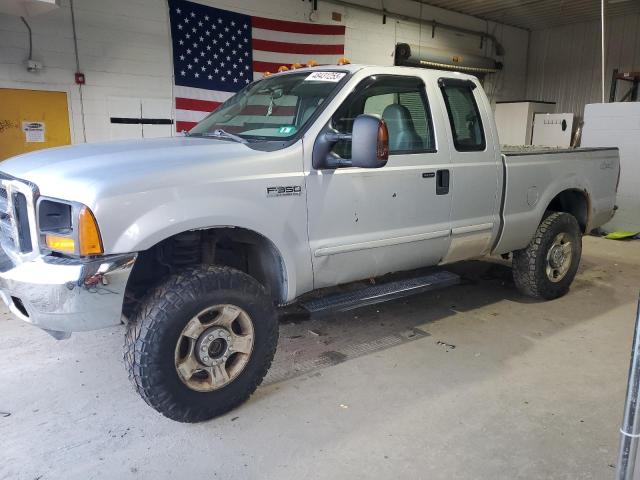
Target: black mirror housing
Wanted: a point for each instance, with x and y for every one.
(369, 142)
(369, 145)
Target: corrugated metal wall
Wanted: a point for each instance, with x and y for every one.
(564, 62)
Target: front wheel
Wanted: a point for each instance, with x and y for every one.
(201, 343)
(548, 265)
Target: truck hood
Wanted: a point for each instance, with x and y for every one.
(84, 172)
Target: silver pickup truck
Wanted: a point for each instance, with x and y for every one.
(306, 179)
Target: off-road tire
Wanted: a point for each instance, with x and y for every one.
(529, 264)
(151, 337)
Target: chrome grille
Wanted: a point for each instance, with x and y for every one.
(17, 217)
(7, 231)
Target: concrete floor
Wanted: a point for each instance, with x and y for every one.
(472, 382)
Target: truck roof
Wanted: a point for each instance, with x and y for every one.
(389, 69)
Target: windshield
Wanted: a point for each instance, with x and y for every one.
(274, 108)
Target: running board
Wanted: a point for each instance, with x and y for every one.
(381, 293)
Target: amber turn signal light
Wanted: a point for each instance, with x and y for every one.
(61, 244)
(382, 150)
(88, 234)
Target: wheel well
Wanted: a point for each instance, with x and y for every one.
(574, 202)
(239, 248)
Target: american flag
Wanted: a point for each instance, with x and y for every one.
(217, 52)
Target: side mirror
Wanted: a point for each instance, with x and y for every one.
(369, 145)
(369, 142)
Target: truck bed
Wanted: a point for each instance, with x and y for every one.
(510, 150)
(534, 176)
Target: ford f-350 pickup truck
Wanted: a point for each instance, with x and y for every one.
(306, 179)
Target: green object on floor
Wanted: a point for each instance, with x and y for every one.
(621, 235)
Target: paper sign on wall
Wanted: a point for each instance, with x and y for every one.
(33, 132)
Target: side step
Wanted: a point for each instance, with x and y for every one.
(381, 293)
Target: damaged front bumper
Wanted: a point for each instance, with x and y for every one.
(61, 295)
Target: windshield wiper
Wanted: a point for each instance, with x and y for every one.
(219, 133)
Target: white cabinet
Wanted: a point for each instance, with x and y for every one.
(514, 120)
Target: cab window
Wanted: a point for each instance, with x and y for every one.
(464, 116)
(402, 104)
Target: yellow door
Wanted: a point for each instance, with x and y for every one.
(32, 120)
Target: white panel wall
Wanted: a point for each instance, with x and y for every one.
(125, 50)
(564, 62)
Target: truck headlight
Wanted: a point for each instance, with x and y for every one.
(67, 227)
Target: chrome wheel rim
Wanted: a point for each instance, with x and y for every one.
(559, 257)
(214, 347)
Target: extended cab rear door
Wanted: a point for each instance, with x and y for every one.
(476, 169)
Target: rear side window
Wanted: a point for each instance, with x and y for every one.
(464, 116)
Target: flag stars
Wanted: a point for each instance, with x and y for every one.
(182, 57)
(233, 37)
(196, 60)
(226, 29)
(188, 51)
(197, 75)
(180, 26)
(206, 17)
(189, 66)
(208, 47)
(183, 73)
(200, 24)
(219, 20)
(210, 77)
(181, 42)
(245, 26)
(178, 11)
(233, 24)
(186, 20)
(207, 33)
(203, 68)
(192, 15)
(223, 78)
(209, 62)
(235, 80)
(216, 70)
(202, 54)
(194, 29)
(201, 38)
(187, 36)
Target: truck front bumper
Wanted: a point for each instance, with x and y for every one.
(62, 295)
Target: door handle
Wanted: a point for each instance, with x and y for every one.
(442, 182)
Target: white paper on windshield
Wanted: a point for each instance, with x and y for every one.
(326, 76)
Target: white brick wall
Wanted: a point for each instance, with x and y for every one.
(124, 48)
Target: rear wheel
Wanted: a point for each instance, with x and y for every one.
(201, 344)
(547, 267)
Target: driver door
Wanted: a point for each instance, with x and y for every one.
(367, 222)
